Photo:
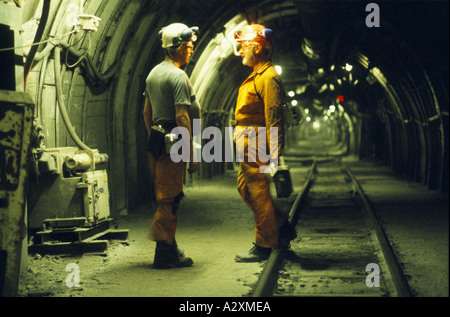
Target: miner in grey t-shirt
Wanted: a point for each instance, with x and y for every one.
(169, 86)
(169, 95)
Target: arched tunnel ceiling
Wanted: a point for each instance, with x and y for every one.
(400, 70)
(341, 33)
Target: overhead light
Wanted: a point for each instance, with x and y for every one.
(279, 69)
(323, 88)
(300, 89)
(348, 67)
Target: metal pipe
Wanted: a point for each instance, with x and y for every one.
(56, 16)
(78, 162)
(61, 103)
(83, 161)
(37, 38)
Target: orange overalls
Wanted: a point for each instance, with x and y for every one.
(168, 183)
(251, 114)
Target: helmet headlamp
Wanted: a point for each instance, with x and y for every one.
(176, 34)
(254, 33)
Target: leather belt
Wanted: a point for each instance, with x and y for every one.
(164, 122)
(235, 123)
(167, 125)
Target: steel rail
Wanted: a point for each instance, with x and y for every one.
(398, 278)
(269, 275)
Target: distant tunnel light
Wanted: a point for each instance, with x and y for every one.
(348, 67)
(279, 69)
(308, 119)
(294, 102)
(300, 89)
(316, 125)
(323, 88)
(291, 94)
(332, 108)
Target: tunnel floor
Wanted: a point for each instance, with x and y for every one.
(215, 224)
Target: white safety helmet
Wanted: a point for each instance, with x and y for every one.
(176, 34)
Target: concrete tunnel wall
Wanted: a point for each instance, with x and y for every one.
(400, 118)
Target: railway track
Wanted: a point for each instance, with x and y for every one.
(341, 250)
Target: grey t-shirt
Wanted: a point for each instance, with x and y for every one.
(167, 86)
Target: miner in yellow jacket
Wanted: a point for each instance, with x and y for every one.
(259, 113)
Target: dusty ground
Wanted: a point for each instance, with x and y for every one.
(214, 224)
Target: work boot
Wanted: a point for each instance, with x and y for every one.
(178, 251)
(184, 261)
(169, 256)
(256, 254)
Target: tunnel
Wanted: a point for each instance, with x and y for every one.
(370, 80)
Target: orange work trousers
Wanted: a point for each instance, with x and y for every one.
(254, 188)
(167, 179)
